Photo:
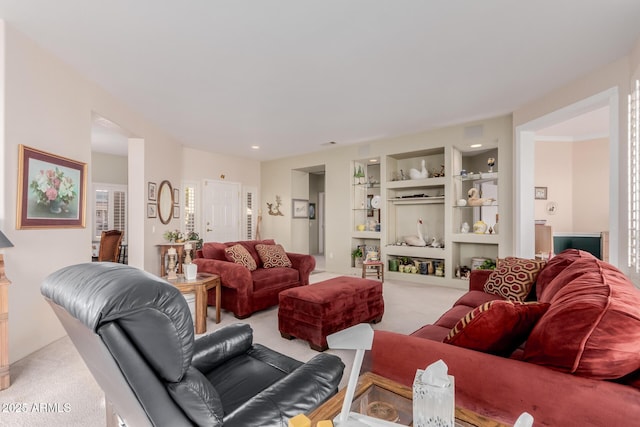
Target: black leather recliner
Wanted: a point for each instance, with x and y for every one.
(135, 333)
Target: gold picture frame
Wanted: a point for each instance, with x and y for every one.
(52, 190)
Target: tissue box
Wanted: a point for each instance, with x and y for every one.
(433, 406)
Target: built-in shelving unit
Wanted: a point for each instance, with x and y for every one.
(366, 206)
(434, 198)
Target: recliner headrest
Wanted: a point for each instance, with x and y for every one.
(153, 313)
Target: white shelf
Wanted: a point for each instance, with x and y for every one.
(487, 239)
(415, 251)
(417, 200)
(417, 183)
(366, 235)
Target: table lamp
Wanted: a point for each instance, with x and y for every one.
(359, 338)
(4, 317)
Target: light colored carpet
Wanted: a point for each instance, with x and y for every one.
(53, 387)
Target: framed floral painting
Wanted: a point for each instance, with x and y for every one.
(52, 190)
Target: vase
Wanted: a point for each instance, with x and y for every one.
(54, 206)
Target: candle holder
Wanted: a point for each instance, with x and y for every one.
(172, 266)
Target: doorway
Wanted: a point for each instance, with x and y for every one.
(525, 134)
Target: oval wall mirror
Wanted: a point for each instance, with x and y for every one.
(165, 202)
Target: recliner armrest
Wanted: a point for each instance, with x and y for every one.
(302, 391)
(219, 346)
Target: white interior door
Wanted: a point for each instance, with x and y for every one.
(221, 204)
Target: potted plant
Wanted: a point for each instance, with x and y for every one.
(357, 256)
(193, 236)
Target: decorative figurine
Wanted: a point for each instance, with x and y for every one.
(491, 162)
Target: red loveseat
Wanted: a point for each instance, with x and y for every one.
(579, 366)
(244, 292)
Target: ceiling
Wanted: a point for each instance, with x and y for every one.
(291, 76)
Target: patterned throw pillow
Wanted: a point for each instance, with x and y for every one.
(273, 256)
(496, 327)
(240, 255)
(513, 278)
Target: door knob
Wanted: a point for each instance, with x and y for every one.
(209, 229)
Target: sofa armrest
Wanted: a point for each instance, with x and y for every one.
(477, 279)
(232, 275)
(302, 391)
(502, 388)
(219, 346)
(304, 264)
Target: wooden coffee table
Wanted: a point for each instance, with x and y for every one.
(200, 286)
(375, 388)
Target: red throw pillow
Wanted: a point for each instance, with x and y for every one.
(496, 327)
(592, 328)
(513, 278)
(273, 256)
(240, 255)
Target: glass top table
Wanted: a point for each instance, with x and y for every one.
(382, 398)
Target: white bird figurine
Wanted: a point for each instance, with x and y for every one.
(416, 240)
(416, 174)
(474, 200)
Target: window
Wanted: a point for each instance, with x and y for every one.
(634, 178)
(250, 213)
(190, 207)
(109, 209)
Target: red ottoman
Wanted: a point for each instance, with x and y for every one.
(314, 311)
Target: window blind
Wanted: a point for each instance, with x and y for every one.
(634, 178)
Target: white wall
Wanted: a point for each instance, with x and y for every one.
(554, 170)
(108, 169)
(277, 180)
(591, 186)
(48, 105)
(576, 174)
(616, 75)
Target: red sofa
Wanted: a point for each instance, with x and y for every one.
(579, 365)
(244, 292)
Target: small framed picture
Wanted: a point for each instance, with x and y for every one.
(176, 211)
(151, 191)
(541, 193)
(176, 197)
(152, 210)
(300, 208)
(312, 211)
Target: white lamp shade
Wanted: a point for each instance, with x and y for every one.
(358, 337)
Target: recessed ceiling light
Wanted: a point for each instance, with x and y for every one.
(373, 160)
(476, 145)
(255, 147)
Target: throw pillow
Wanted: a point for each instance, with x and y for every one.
(497, 327)
(240, 255)
(273, 256)
(514, 278)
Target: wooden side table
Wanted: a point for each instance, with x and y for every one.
(200, 286)
(370, 268)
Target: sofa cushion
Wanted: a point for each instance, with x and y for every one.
(496, 327)
(549, 282)
(273, 256)
(513, 278)
(432, 332)
(592, 328)
(214, 250)
(473, 299)
(280, 277)
(240, 255)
